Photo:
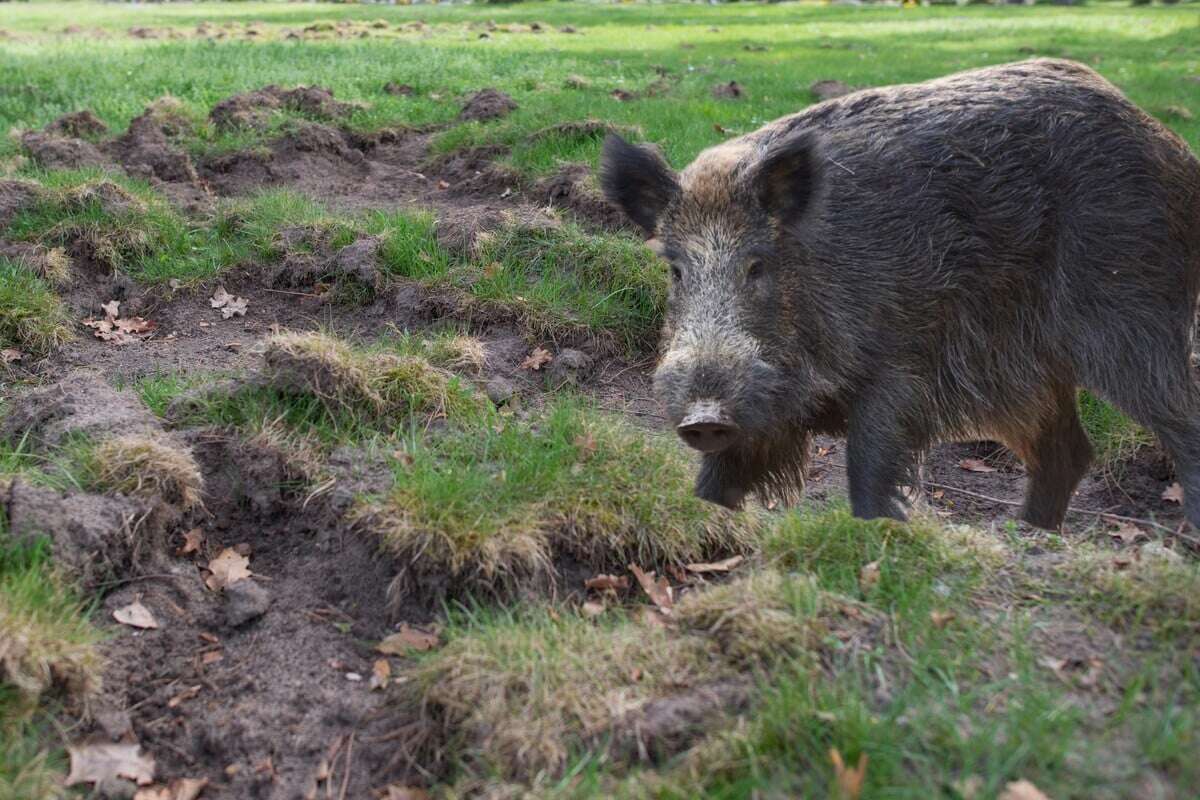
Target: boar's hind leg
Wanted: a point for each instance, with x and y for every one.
(1056, 461)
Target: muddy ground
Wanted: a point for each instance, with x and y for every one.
(262, 694)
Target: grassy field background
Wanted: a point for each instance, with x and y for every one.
(958, 659)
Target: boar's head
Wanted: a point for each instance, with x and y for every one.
(734, 378)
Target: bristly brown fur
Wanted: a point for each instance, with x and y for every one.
(916, 263)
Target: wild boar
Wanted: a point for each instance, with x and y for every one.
(936, 261)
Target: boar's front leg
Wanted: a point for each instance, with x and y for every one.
(880, 456)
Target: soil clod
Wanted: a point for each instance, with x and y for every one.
(487, 104)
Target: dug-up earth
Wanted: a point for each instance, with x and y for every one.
(268, 589)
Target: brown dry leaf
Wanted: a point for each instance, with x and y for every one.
(112, 308)
(975, 465)
(381, 673)
(212, 657)
(586, 443)
(537, 359)
(94, 763)
(396, 792)
(180, 789)
(220, 298)
(659, 591)
(849, 779)
(604, 582)
(592, 609)
(868, 576)
(228, 567)
(135, 615)
(1128, 533)
(106, 331)
(184, 696)
(716, 566)
(192, 541)
(208, 637)
(651, 616)
(941, 619)
(235, 308)
(135, 325)
(1021, 790)
(1173, 493)
(408, 638)
(10, 355)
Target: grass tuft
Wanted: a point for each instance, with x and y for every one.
(45, 641)
(143, 466)
(33, 318)
(375, 384)
(488, 506)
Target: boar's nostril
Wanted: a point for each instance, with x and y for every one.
(708, 437)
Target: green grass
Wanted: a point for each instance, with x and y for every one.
(491, 505)
(32, 317)
(1114, 436)
(47, 660)
(118, 223)
(1148, 51)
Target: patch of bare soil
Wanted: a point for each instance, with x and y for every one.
(261, 687)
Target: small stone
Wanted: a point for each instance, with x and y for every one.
(500, 390)
(245, 600)
(569, 365)
(1156, 551)
(114, 788)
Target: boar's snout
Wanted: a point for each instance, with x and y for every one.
(706, 428)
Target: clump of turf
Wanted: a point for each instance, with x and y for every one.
(33, 319)
(1153, 587)
(108, 226)
(147, 467)
(45, 641)
(515, 699)
(493, 508)
(372, 383)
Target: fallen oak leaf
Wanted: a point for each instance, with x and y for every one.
(537, 359)
(849, 779)
(381, 673)
(407, 638)
(1173, 493)
(1021, 790)
(96, 763)
(135, 615)
(192, 542)
(592, 609)
(868, 576)
(112, 308)
(135, 325)
(235, 308)
(716, 566)
(605, 582)
(179, 789)
(975, 465)
(184, 696)
(659, 591)
(941, 619)
(1128, 533)
(220, 297)
(228, 567)
(10, 355)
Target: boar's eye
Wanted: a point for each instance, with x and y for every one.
(676, 274)
(754, 271)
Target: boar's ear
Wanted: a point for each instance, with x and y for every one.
(787, 178)
(637, 180)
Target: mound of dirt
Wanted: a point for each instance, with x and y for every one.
(309, 259)
(829, 89)
(570, 188)
(51, 264)
(459, 230)
(15, 197)
(53, 151)
(83, 403)
(665, 727)
(474, 171)
(253, 109)
(312, 156)
(729, 91)
(94, 537)
(77, 125)
(487, 104)
(147, 151)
